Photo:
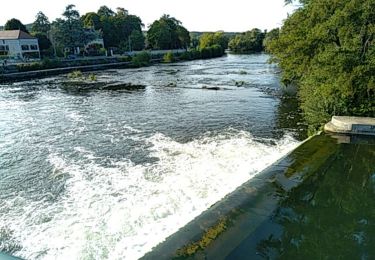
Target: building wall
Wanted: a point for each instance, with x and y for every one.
(15, 47)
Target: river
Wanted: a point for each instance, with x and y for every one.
(110, 174)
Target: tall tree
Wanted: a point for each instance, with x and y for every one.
(91, 20)
(167, 33)
(15, 24)
(68, 32)
(210, 39)
(41, 24)
(327, 49)
(250, 41)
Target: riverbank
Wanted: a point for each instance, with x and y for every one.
(289, 208)
(47, 67)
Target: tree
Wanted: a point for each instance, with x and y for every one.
(250, 41)
(137, 40)
(91, 20)
(69, 32)
(41, 24)
(117, 27)
(167, 33)
(327, 49)
(209, 39)
(15, 24)
(104, 11)
(270, 36)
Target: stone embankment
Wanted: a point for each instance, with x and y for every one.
(351, 125)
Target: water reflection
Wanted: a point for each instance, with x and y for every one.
(331, 214)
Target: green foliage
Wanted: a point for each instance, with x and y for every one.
(41, 25)
(186, 56)
(168, 57)
(44, 42)
(210, 39)
(117, 28)
(137, 40)
(91, 20)
(14, 24)
(327, 49)
(141, 59)
(77, 74)
(69, 32)
(167, 33)
(44, 64)
(270, 36)
(250, 41)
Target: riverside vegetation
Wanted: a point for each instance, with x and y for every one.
(326, 49)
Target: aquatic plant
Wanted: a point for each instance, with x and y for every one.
(207, 238)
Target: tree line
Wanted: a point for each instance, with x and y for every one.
(123, 32)
(326, 49)
(120, 31)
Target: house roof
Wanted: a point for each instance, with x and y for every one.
(14, 35)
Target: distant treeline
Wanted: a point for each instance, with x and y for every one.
(123, 32)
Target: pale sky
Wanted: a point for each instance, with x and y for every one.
(195, 15)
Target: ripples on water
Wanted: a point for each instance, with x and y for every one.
(108, 175)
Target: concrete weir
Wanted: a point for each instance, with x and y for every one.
(351, 125)
(284, 211)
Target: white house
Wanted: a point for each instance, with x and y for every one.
(19, 45)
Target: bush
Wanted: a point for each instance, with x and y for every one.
(186, 56)
(29, 66)
(217, 50)
(195, 54)
(168, 57)
(77, 74)
(206, 53)
(141, 59)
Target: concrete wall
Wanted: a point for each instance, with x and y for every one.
(157, 52)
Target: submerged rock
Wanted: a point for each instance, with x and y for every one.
(211, 88)
(123, 86)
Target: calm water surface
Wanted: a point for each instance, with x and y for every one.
(110, 174)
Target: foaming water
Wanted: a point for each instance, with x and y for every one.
(122, 210)
(110, 174)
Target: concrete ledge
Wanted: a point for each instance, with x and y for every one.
(351, 125)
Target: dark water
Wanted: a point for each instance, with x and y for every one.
(109, 174)
(331, 214)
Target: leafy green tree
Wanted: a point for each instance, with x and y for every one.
(137, 40)
(91, 20)
(41, 24)
(167, 33)
(250, 41)
(118, 27)
(44, 42)
(210, 39)
(15, 24)
(104, 11)
(69, 32)
(326, 48)
(270, 36)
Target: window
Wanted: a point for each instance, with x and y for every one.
(25, 47)
(2, 47)
(34, 47)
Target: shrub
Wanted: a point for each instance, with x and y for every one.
(168, 57)
(141, 59)
(217, 50)
(186, 56)
(206, 53)
(75, 75)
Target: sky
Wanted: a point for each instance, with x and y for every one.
(195, 15)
